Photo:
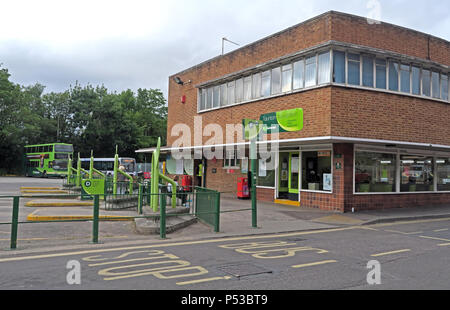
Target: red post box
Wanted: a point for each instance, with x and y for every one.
(186, 183)
(242, 188)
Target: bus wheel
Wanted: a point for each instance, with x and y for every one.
(44, 174)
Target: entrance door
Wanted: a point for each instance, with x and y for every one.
(294, 171)
(283, 177)
(288, 175)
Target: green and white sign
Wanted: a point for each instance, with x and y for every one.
(283, 121)
(93, 187)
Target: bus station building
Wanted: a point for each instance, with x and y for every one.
(374, 99)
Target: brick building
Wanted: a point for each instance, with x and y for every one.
(376, 115)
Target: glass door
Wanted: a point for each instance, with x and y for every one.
(283, 177)
(294, 172)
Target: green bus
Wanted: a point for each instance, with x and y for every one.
(47, 160)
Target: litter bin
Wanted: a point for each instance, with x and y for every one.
(242, 188)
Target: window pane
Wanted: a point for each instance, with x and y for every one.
(435, 85)
(265, 173)
(286, 78)
(393, 76)
(426, 80)
(239, 95)
(256, 92)
(404, 79)
(338, 67)
(444, 82)
(310, 71)
(415, 76)
(265, 84)
(231, 92)
(375, 172)
(203, 99)
(316, 170)
(367, 71)
(380, 74)
(209, 98)
(443, 174)
(276, 80)
(223, 95)
(216, 96)
(248, 88)
(324, 68)
(299, 68)
(353, 69)
(416, 173)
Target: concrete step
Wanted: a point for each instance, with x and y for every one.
(145, 226)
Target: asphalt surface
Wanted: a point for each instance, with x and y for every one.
(292, 249)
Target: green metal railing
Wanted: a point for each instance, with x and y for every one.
(207, 206)
(203, 203)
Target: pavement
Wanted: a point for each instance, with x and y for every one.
(235, 219)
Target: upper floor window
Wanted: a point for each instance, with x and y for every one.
(393, 75)
(367, 73)
(324, 68)
(354, 70)
(286, 78)
(310, 71)
(276, 81)
(320, 68)
(381, 74)
(338, 67)
(298, 78)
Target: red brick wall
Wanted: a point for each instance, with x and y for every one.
(356, 30)
(377, 115)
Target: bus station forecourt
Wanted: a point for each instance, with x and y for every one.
(272, 218)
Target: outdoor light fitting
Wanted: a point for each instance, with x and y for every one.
(180, 82)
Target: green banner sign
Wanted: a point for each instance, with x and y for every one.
(283, 121)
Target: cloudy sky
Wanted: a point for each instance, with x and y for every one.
(131, 44)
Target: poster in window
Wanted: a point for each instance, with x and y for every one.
(327, 181)
(244, 165)
(262, 168)
(294, 164)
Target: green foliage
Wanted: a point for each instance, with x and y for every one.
(90, 118)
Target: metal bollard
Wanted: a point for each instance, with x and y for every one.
(162, 217)
(14, 222)
(95, 217)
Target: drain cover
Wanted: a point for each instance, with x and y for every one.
(243, 269)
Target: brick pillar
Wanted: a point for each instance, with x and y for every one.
(343, 176)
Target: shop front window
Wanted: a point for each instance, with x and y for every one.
(316, 171)
(374, 172)
(266, 174)
(416, 173)
(443, 174)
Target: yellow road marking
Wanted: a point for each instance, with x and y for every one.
(315, 263)
(391, 252)
(181, 243)
(411, 222)
(439, 230)
(444, 244)
(434, 238)
(204, 280)
(404, 233)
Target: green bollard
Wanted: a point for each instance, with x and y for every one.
(140, 199)
(95, 218)
(217, 214)
(162, 218)
(14, 223)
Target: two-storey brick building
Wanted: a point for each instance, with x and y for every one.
(376, 115)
